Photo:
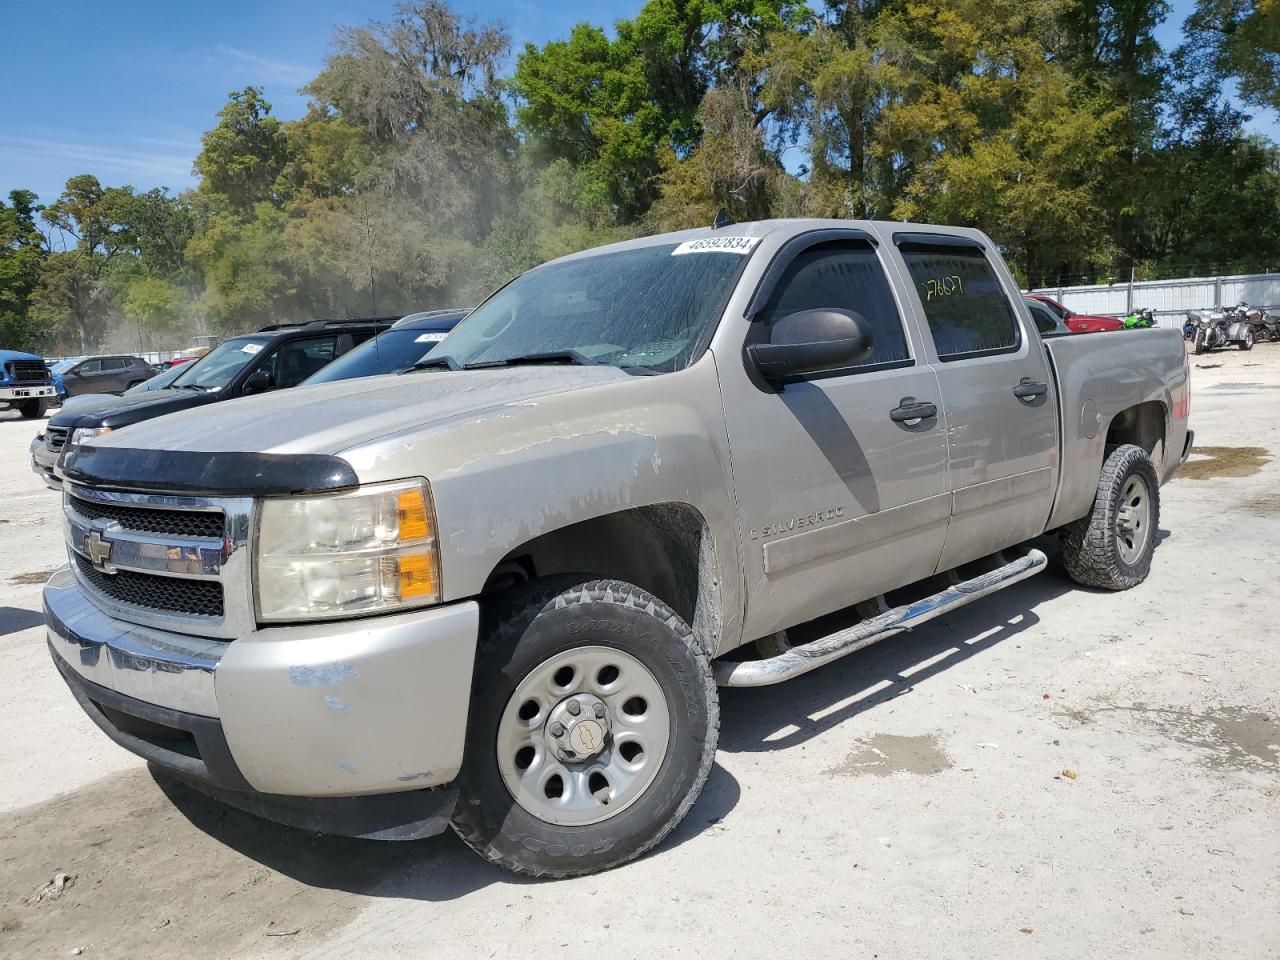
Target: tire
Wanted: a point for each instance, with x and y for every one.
(1247, 342)
(1097, 549)
(1199, 343)
(33, 409)
(582, 623)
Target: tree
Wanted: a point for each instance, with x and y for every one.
(1241, 39)
(22, 252)
(242, 157)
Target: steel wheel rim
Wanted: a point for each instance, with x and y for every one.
(1133, 519)
(594, 789)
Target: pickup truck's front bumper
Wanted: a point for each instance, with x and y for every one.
(333, 727)
(11, 394)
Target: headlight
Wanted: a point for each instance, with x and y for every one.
(371, 550)
(81, 434)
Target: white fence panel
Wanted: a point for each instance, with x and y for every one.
(1170, 299)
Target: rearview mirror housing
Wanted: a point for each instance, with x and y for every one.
(811, 341)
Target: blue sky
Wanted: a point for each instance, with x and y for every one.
(124, 90)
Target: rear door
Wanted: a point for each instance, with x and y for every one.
(841, 495)
(997, 392)
(114, 370)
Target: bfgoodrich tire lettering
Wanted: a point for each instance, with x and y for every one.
(1095, 549)
(535, 624)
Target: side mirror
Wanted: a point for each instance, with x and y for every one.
(810, 341)
(259, 382)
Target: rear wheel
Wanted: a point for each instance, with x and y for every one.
(1111, 548)
(593, 727)
(1247, 342)
(33, 409)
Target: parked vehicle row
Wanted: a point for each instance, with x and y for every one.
(275, 358)
(499, 591)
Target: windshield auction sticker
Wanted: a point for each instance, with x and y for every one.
(717, 245)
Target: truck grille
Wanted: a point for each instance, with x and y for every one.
(27, 371)
(182, 523)
(201, 598)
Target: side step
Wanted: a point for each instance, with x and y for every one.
(810, 656)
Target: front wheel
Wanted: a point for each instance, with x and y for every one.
(1247, 342)
(593, 728)
(1111, 547)
(33, 409)
(1199, 342)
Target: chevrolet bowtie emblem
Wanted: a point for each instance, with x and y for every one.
(99, 550)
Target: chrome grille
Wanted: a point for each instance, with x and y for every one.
(178, 563)
(28, 371)
(197, 598)
(180, 523)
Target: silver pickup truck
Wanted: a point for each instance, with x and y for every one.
(499, 591)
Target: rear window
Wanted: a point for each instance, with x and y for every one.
(843, 276)
(967, 310)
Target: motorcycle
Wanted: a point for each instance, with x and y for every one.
(1140, 319)
(1220, 328)
(1266, 328)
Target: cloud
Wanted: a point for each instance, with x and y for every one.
(145, 165)
(266, 69)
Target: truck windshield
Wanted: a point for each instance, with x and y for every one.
(220, 365)
(650, 309)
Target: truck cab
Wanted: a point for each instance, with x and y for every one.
(499, 591)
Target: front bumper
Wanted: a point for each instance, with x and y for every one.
(15, 394)
(44, 462)
(329, 712)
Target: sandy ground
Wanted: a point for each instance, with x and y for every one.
(1050, 772)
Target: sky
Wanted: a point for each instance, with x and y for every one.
(124, 90)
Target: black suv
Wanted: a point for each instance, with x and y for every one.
(101, 374)
(275, 358)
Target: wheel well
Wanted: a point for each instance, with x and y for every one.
(1142, 425)
(664, 548)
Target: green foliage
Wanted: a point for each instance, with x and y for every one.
(420, 176)
(22, 253)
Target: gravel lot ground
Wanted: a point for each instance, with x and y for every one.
(1050, 772)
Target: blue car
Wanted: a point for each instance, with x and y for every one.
(25, 384)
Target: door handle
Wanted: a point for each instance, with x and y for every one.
(1028, 389)
(913, 411)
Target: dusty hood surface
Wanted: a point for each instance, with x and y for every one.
(331, 417)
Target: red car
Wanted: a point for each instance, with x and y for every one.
(1078, 322)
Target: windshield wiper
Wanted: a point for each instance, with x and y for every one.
(551, 356)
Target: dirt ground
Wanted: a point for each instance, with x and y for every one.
(1051, 772)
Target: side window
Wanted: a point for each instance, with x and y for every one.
(89, 366)
(299, 359)
(967, 310)
(848, 276)
(114, 363)
(1046, 322)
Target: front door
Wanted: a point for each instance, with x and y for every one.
(998, 393)
(841, 495)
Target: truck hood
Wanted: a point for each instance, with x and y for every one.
(331, 417)
(117, 412)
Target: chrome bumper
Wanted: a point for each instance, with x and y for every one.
(322, 710)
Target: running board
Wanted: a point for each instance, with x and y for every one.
(810, 656)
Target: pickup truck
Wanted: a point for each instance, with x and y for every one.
(498, 591)
(25, 384)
